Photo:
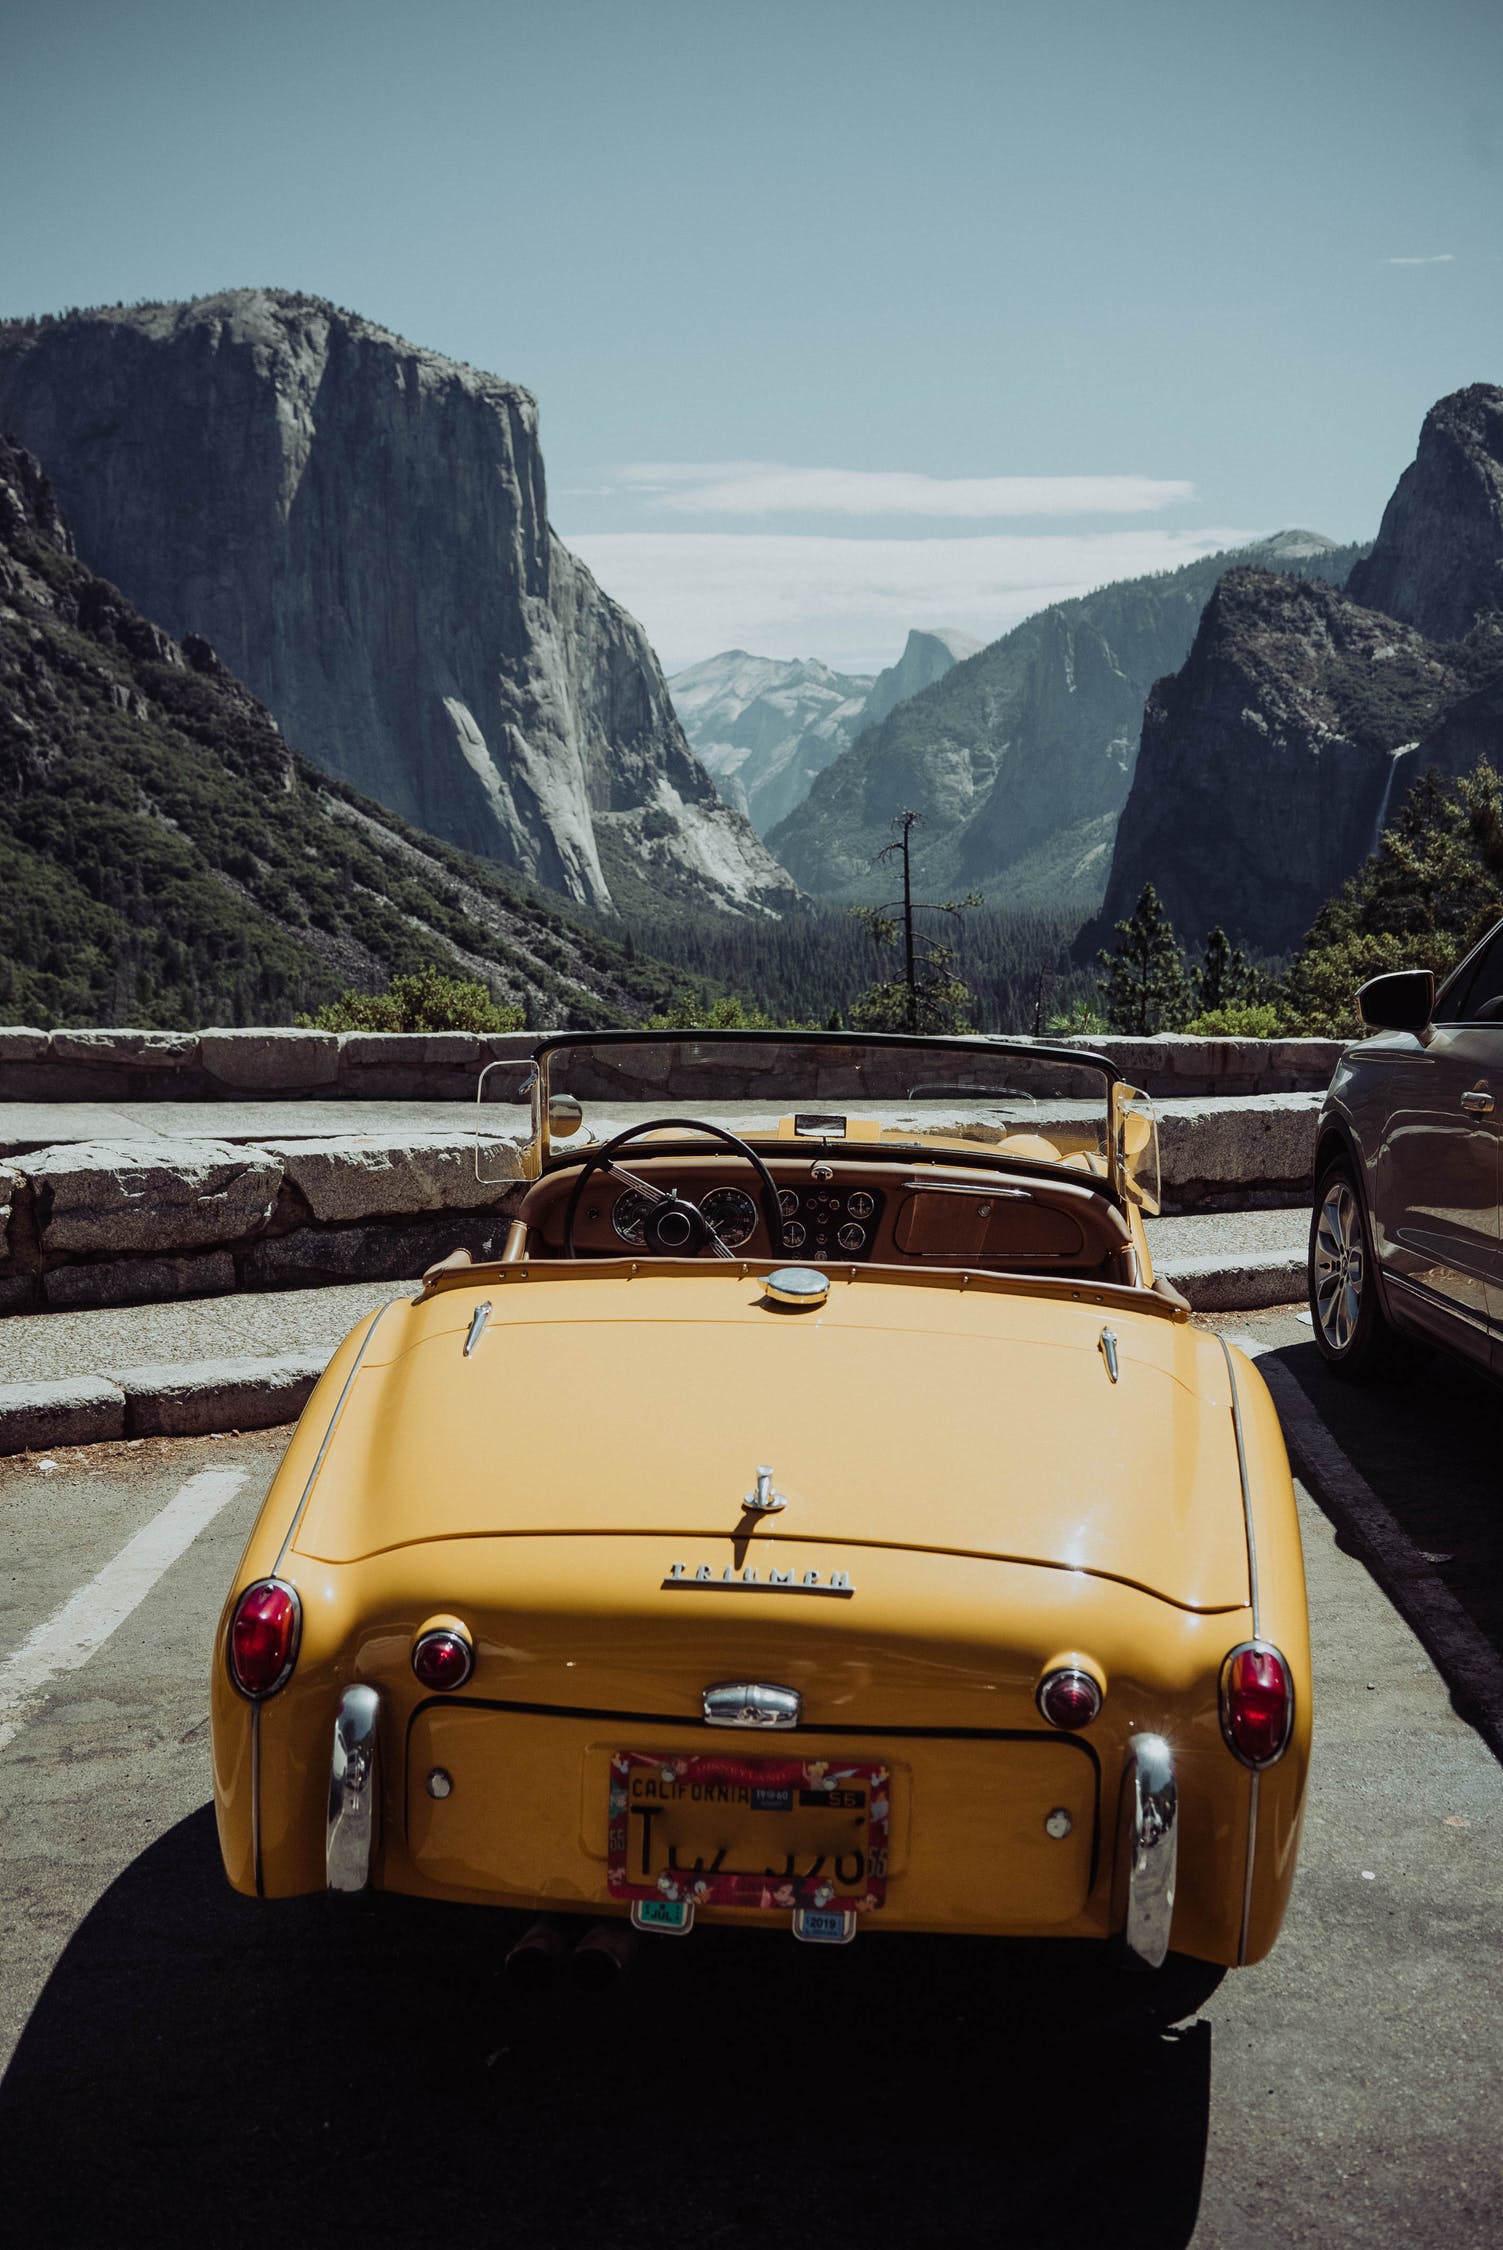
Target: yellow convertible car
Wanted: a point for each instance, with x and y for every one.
(817, 1519)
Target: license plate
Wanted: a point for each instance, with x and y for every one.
(777, 1833)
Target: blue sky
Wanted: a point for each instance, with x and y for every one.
(813, 296)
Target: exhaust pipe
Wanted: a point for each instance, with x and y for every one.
(534, 1962)
(604, 1956)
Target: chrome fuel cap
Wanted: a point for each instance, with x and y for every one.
(797, 1285)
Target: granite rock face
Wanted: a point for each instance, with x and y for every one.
(765, 726)
(927, 655)
(1020, 758)
(1438, 559)
(1271, 761)
(360, 528)
(169, 860)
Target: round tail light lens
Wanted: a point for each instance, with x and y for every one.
(443, 1658)
(1069, 1698)
(263, 1637)
(1257, 1703)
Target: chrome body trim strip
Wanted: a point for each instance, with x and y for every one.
(255, 1720)
(1449, 1307)
(1252, 1575)
(307, 1494)
(1147, 1855)
(1247, 1885)
(979, 1192)
(354, 1785)
(1252, 1539)
(478, 1319)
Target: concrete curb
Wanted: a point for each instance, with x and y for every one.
(1250, 1283)
(193, 1400)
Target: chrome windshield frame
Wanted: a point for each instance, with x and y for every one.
(958, 1044)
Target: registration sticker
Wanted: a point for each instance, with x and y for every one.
(824, 1925)
(782, 1834)
(670, 1917)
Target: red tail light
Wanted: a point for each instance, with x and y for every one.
(1069, 1698)
(1257, 1703)
(264, 1635)
(443, 1657)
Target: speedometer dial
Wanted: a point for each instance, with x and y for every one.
(732, 1214)
(627, 1214)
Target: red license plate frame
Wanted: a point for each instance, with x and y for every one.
(666, 1811)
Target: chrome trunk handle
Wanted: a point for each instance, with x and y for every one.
(1478, 1101)
(751, 1703)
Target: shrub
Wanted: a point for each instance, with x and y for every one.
(725, 1014)
(427, 1000)
(1241, 1019)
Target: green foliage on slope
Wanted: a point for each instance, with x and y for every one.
(166, 860)
(1433, 887)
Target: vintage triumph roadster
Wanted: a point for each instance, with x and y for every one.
(816, 1519)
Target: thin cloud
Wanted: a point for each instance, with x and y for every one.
(1441, 258)
(850, 600)
(773, 488)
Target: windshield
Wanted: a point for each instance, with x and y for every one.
(954, 1097)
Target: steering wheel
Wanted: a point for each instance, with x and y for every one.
(671, 1226)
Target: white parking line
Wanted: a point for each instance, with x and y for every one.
(66, 1640)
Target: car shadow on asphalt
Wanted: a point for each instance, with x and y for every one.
(203, 2068)
(1426, 1441)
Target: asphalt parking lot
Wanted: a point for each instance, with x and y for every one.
(185, 2065)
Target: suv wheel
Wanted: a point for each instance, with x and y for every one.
(1353, 1336)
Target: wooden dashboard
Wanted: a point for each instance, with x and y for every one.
(846, 1210)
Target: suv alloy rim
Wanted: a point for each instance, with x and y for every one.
(1338, 1261)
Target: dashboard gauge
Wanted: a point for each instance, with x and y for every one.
(731, 1213)
(793, 1235)
(788, 1203)
(860, 1205)
(627, 1213)
(851, 1238)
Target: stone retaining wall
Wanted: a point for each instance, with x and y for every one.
(140, 1221)
(139, 1066)
(206, 1066)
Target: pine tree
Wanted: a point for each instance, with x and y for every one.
(928, 996)
(1432, 888)
(1143, 982)
(1225, 977)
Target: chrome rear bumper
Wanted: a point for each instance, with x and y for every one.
(1147, 1851)
(354, 1778)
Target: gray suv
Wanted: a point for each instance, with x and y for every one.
(1405, 1237)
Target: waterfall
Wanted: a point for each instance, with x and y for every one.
(1394, 756)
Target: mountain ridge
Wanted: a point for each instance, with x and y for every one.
(166, 859)
(767, 727)
(1272, 758)
(1021, 757)
(360, 526)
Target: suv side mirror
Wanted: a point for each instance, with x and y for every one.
(1404, 1000)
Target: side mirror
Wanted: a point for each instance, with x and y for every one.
(1404, 1000)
